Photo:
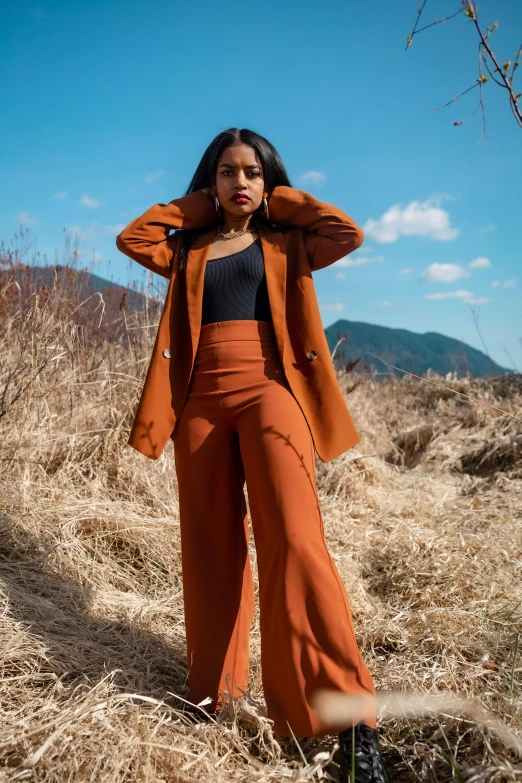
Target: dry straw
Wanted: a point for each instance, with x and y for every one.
(427, 537)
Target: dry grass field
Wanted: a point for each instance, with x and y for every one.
(423, 518)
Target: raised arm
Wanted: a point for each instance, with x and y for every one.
(146, 238)
(330, 233)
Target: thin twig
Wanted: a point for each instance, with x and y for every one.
(441, 386)
(343, 339)
(410, 37)
(438, 21)
(474, 314)
(456, 97)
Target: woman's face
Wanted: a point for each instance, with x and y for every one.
(239, 174)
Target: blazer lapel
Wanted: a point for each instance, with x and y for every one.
(195, 278)
(274, 254)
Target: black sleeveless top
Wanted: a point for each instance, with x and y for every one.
(235, 287)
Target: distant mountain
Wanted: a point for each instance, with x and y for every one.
(408, 350)
(80, 282)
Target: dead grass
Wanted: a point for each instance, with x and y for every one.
(423, 519)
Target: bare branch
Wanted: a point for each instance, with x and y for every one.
(431, 24)
(492, 75)
(482, 80)
(505, 77)
(456, 97)
(472, 13)
(410, 37)
(516, 62)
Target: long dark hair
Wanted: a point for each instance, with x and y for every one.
(274, 174)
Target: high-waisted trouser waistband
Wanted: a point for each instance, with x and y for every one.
(234, 360)
(221, 331)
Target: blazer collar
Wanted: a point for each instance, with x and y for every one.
(274, 254)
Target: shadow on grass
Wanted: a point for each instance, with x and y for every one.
(76, 645)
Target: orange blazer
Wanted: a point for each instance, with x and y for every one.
(319, 235)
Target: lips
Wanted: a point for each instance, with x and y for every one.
(240, 198)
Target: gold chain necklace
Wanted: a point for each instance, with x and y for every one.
(233, 234)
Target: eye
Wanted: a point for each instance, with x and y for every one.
(255, 174)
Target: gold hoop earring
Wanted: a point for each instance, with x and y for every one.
(265, 202)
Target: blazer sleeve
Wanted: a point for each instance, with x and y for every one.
(146, 239)
(329, 233)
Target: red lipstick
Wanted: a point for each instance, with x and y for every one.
(240, 198)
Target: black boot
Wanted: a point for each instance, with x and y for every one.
(362, 745)
(197, 715)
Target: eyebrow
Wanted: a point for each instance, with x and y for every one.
(233, 166)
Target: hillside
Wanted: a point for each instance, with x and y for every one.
(69, 280)
(409, 350)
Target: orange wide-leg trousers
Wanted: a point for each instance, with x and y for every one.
(240, 422)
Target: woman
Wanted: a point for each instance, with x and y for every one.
(242, 380)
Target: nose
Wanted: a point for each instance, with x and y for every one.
(241, 181)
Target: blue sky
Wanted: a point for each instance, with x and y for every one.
(108, 107)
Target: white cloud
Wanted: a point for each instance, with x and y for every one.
(386, 303)
(27, 220)
(92, 203)
(337, 307)
(418, 218)
(312, 177)
(509, 283)
(61, 194)
(115, 229)
(480, 263)
(96, 257)
(468, 297)
(451, 295)
(489, 227)
(494, 283)
(340, 276)
(154, 176)
(365, 249)
(449, 273)
(406, 270)
(444, 273)
(358, 260)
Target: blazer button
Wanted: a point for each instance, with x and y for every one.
(311, 355)
(167, 353)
